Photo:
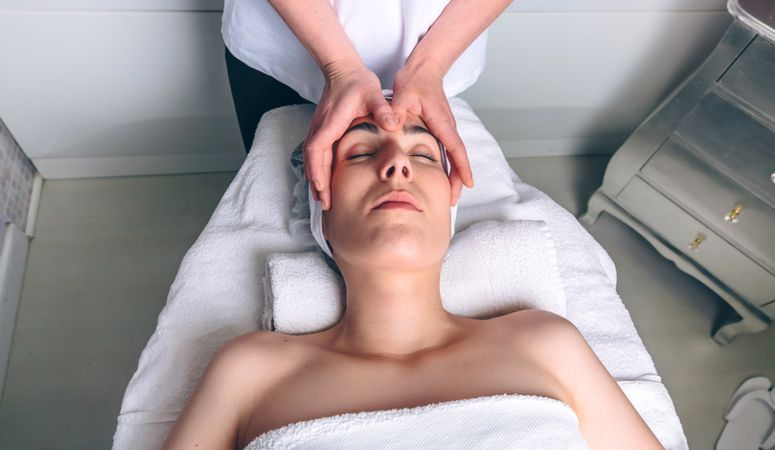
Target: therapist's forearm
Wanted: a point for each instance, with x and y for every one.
(317, 27)
(454, 30)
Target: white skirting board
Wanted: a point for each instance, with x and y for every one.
(13, 258)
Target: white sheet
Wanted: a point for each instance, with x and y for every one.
(218, 292)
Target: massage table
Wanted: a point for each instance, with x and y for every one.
(218, 292)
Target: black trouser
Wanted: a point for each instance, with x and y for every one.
(255, 93)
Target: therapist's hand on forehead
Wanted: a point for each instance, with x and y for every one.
(352, 90)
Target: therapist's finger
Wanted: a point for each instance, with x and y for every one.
(319, 150)
(445, 130)
(312, 159)
(455, 186)
(305, 153)
(325, 195)
(320, 175)
(382, 112)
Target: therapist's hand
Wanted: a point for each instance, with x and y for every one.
(351, 91)
(419, 89)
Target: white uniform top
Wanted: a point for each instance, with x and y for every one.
(383, 32)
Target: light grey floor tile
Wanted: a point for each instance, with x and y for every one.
(123, 196)
(64, 403)
(569, 181)
(110, 249)
(98, 273)
(92, 320)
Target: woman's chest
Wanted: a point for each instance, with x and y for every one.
(325, 388)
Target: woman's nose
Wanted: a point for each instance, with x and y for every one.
(396, 164)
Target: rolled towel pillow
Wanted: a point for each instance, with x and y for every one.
(302, 293)
(491, 268)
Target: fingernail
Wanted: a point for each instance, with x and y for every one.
(390, 121)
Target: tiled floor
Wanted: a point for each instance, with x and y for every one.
(99, 268)
(106, 250)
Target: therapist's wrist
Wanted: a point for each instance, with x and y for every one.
(342, 68)
(428, 67)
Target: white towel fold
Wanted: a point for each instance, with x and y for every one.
(492, 268)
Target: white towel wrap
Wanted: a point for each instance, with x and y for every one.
(507, 421)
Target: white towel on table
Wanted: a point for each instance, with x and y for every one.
(218, 292)
(491, 268)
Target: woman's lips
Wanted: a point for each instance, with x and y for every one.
(397, 205)
(397, 199)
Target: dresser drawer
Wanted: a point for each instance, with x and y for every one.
(710, 197)
(752, 77)
(736, 144)
(679, 228)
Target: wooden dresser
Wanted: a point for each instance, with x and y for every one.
(697, 179)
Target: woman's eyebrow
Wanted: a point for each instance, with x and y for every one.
(417, 129)
(365, 126)
(371, 127)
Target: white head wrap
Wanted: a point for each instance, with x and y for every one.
(316, 208)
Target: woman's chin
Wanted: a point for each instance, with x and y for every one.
(402, 253)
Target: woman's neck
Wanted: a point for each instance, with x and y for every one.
(392, 314)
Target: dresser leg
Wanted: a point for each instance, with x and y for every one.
(733, 325)
(595, 206)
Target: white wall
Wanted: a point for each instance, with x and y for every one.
(581, 81)
(118, 87)
(101, 93)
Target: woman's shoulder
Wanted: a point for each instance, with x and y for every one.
(254, 361)
(548, 337)
(262, 349)
(541, 325)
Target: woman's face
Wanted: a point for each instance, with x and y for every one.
(371, 165)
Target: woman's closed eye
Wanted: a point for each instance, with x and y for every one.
(425, 155)
(360, 155)
(422, 155)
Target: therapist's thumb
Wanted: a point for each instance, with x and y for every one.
(382, 112)
(402, 105)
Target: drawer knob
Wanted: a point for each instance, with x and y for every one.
(772, 177)
(731, 216)
(696, 242)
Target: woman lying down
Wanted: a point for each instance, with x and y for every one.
(398, 371)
